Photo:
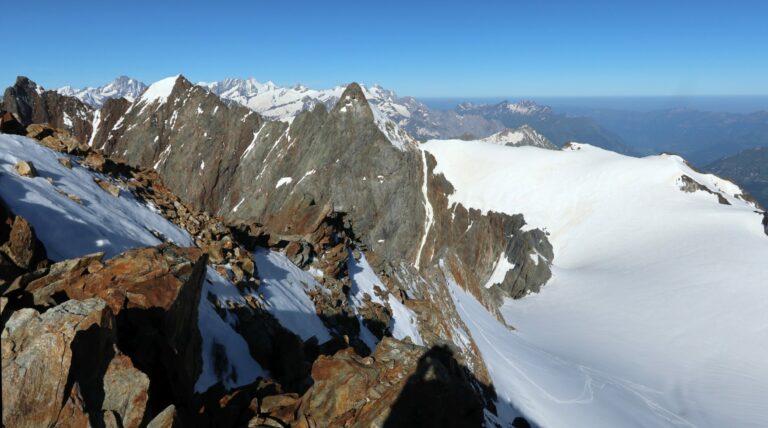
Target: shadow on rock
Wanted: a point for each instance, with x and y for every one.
(441, 393)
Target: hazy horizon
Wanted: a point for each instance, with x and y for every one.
(742, 104)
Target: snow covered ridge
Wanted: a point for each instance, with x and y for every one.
(522, 136)
(121, 87)
(285, 103)
(159, 91)
(656, 309)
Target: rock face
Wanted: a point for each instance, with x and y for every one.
(30, 103)
(689, 185)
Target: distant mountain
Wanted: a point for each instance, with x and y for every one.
(284, 103)
(559, 128)
(748, 168)
(121, 87)
(467, 121)
(700, 136)
(522, 136)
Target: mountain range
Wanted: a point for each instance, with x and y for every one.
(466, 121)
(236, 253)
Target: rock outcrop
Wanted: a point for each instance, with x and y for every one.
(398, 385)
(30, 103)
(20, 250)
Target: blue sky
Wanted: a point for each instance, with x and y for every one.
(422, 48)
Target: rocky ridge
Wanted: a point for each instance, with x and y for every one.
(130, 307)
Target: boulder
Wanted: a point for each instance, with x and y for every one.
(126, 391)
(95, 161)
(22, 246)
(25, 169)
(48, 357)
(66, 162)
(139, 278)
(108, 187)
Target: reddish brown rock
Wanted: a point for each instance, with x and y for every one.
(108, 187)
(398, 385)
(95, 161)
(66, 162)
(20, 250)
(139, 278)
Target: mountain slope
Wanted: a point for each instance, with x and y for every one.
(31, 103)
(653, 286)
(749, 168)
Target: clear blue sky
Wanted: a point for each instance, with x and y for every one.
(422, 48)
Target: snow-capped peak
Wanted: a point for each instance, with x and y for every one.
(160, 90)
(526, 107)
(121, 87)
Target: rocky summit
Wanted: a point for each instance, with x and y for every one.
(237, 254)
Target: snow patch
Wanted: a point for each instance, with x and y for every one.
(282, 181)
(284, 287)
(159, 91)
(500, 270)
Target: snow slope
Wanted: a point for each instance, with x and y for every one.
(404, 322)
(67, 228)
(284, 287)
(656, 311)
